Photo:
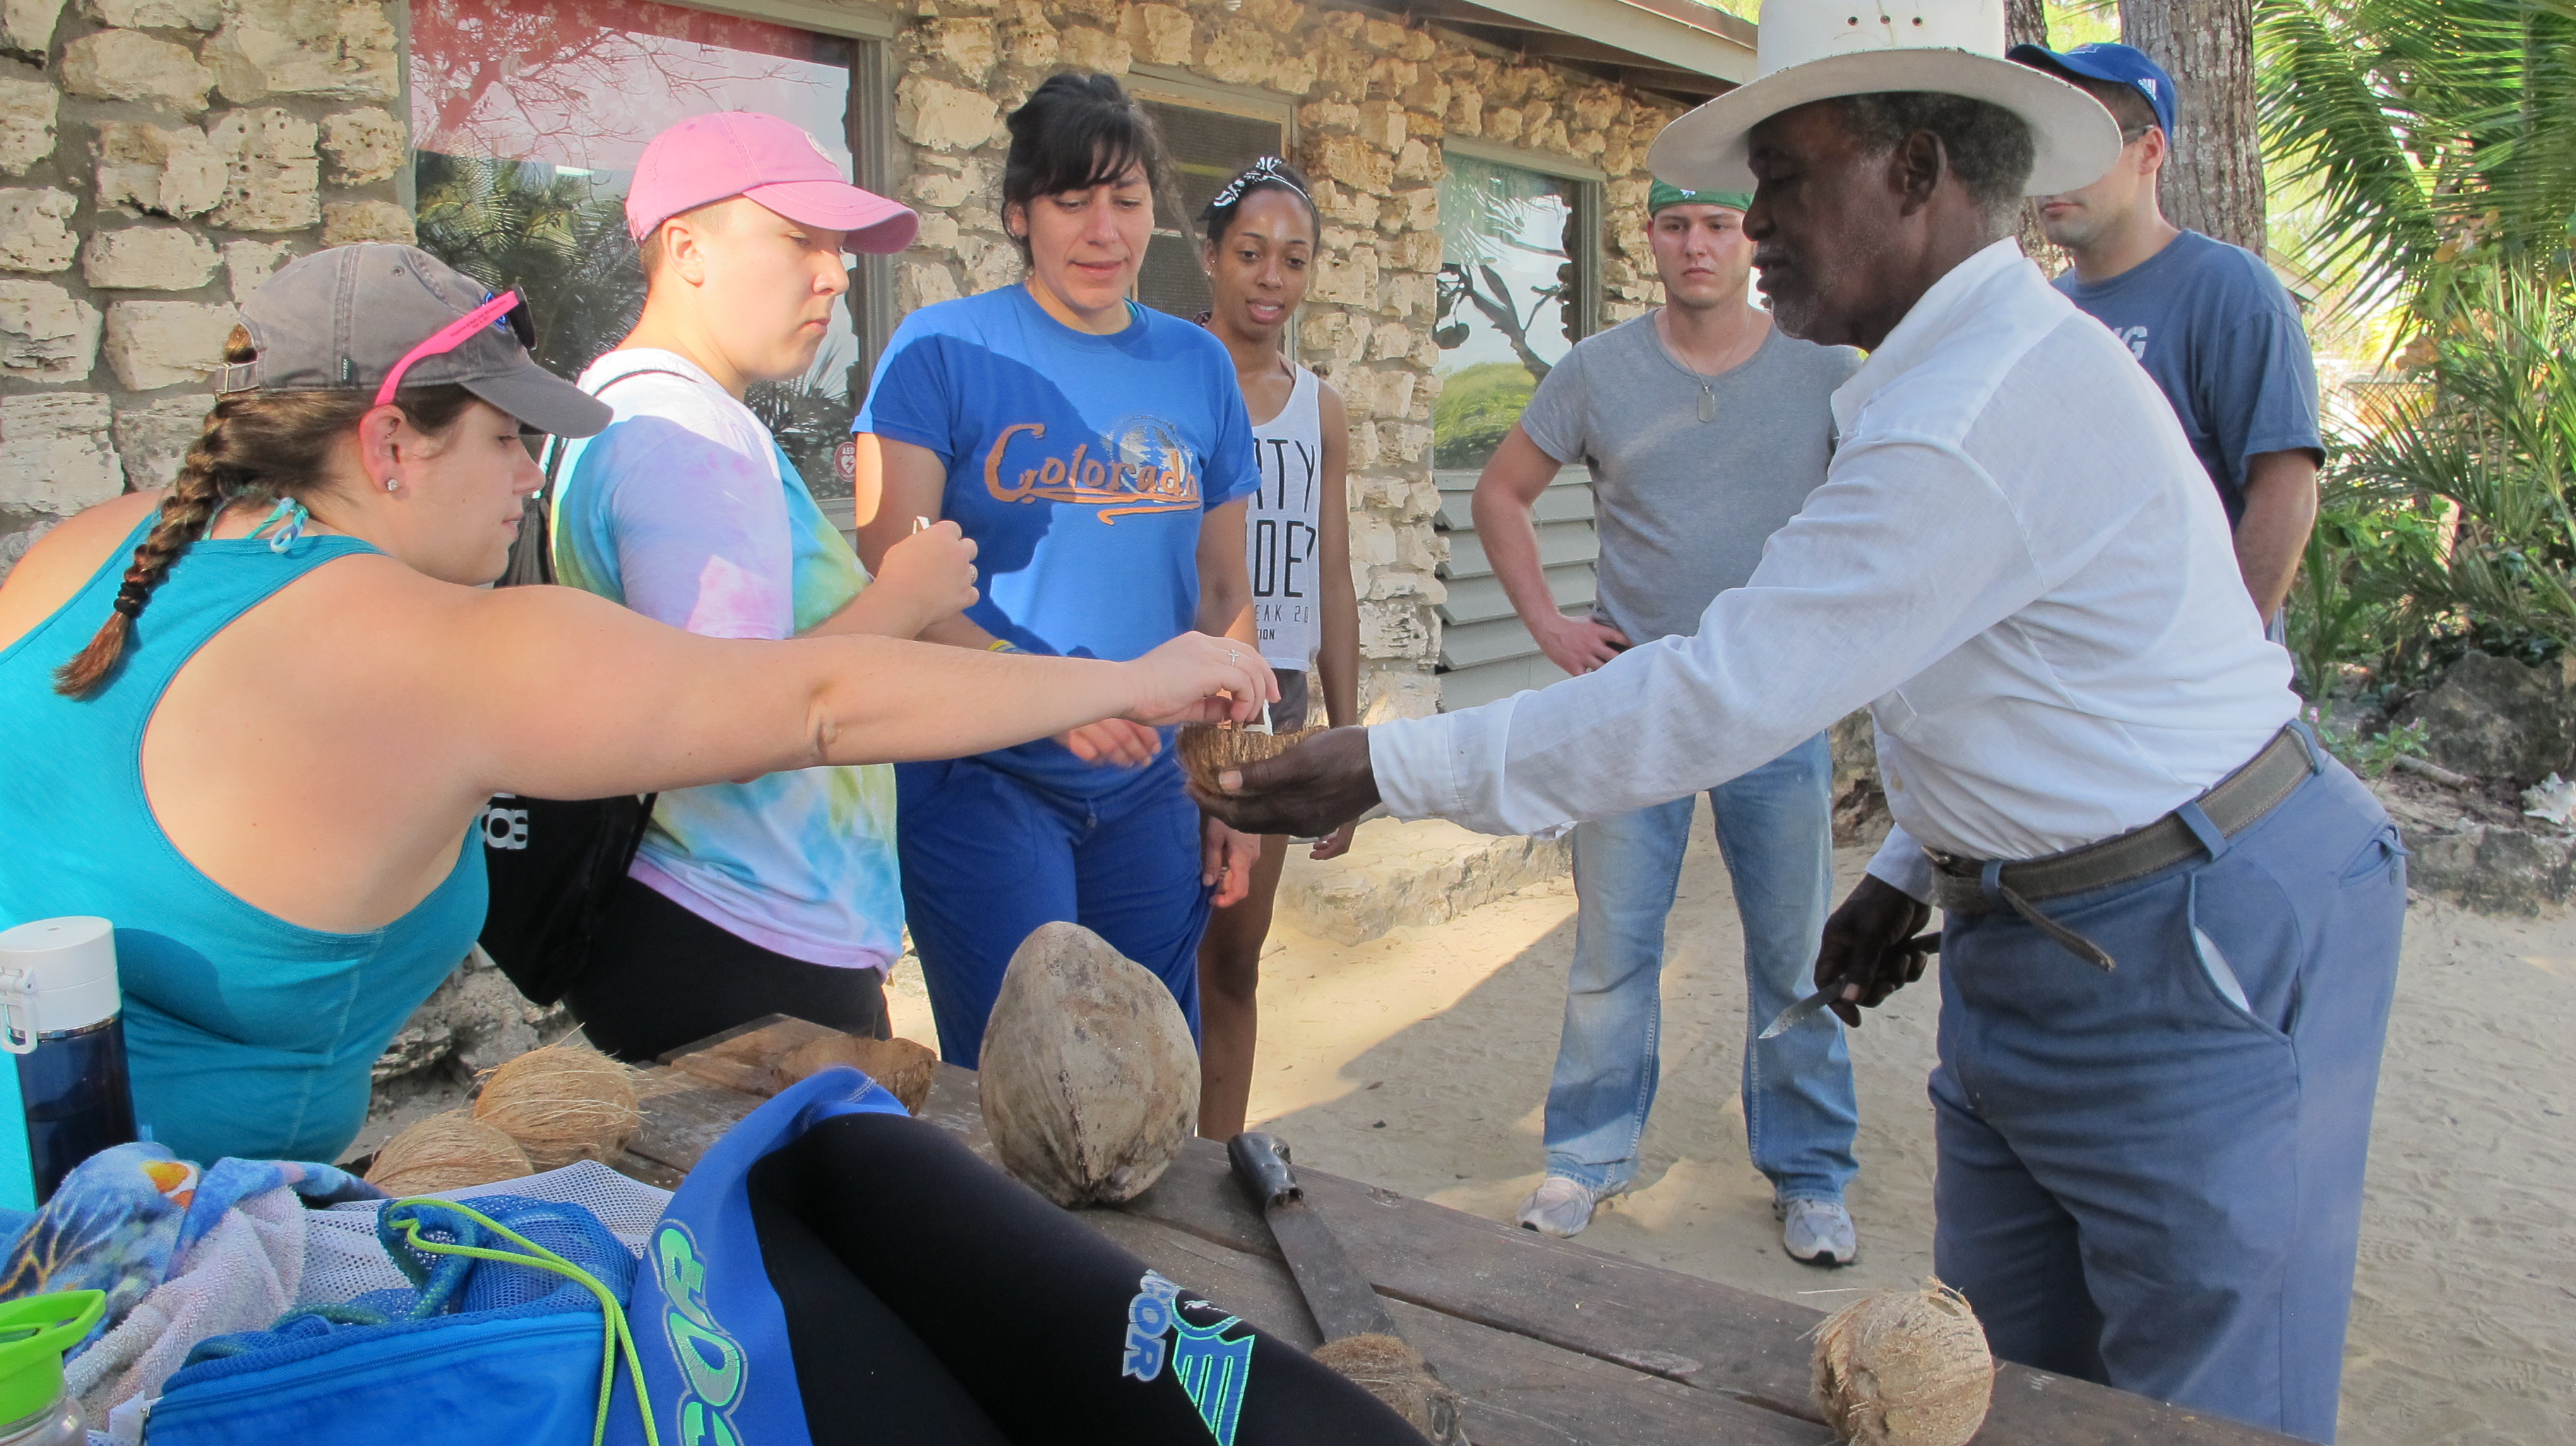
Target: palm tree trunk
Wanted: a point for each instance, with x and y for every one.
(2214, 182)
(2026, 23)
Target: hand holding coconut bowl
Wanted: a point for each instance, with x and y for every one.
(253, 718)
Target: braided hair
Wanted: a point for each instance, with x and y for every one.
(255, 444)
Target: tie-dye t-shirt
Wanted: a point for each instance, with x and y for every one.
(685, 510)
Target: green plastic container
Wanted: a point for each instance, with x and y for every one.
(35, 1410)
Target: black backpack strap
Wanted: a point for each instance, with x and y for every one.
(532, 555)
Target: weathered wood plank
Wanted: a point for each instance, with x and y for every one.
(1626, 1316)
(681, 1123)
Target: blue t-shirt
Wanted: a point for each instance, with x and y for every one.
(2213, 326)
(1081, 465)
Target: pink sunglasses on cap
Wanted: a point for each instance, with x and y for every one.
(448, 338)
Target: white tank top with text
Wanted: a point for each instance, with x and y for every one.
(1280, 529)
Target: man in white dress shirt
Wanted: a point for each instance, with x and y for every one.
(2171, 921)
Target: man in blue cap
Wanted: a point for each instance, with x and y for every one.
(2209, 321)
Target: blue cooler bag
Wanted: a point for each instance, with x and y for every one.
(703, 1307)
(506, 1338)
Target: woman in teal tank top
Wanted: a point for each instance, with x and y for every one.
(252, 720)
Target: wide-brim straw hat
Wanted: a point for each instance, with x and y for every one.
(1811, 50)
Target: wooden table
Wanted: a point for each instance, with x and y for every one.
(1549, 1342)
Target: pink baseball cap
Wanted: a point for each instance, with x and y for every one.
(711, 158)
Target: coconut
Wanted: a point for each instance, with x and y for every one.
(446, 1152)
(1089, 1082)
(902, 1066)
(1395, 1373)
(562, 1103)
(1904, 1368)
(1208, 749)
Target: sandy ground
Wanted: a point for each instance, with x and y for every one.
(1419, 1062)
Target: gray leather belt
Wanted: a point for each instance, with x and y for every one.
(2199, 828)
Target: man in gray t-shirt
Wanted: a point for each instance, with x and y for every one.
(1704, 429)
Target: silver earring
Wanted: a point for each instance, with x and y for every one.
(393, 484)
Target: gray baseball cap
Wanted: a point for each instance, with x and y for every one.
(373, 317)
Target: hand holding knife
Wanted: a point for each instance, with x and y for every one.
(1839, 989)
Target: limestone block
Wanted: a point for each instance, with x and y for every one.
(1587, 143)
(1389, 692)
(1390, 341)
(148, 258)
(1328, 117)
(366, 146)
(1372, 540)
(1354, 163)
(153, 438)
(1381, 34)
(1548, 135)
(936, 190)
(1346, 204)
(941, 116)
(1347, 280)
(1238, 53)
(55, 456)
(27, 28)
(996, 265)
(273, 175)
(1410, 294)
(1421, 209)
(1388, 76)
(14, 544)
(346, 223)
(1381, 124)
(1397, 631)
(966, 43)
(1430, 95)
(174, 172)
(1104, 11)
(345, 49)
(248, 263)
(130, 65)
(1293, 74)
(938, 232)
(1415, 162)
(1415, 251)
(1596, 107)
(154, 344)
(1034, 48)
(156, 14)
(1503, 123)
(1406, 442)
(1159, 34)
(26, 122)
(46, 333)
(1080, 45)
(1281, 15)
(922, 283)
(36, 229)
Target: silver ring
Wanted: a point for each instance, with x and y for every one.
(1232, 657)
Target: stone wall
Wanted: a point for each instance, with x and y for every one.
(158, 158)
(1374, 101)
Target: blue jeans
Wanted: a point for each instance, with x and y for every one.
(1775, 829)
(2152, 1177)
(988, 857)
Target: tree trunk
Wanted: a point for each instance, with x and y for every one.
(2026, 23)
(2214, 182)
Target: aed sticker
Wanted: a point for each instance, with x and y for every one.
(1213, 1369)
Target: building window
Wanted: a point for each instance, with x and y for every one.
(1209, 147)
(528, 122)
(1519, 286)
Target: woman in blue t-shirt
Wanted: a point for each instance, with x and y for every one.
(1100, 456)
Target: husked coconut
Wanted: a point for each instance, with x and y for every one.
(446, 1152)
(1089, 1082)
(1395, 1373)
(1904, 1368)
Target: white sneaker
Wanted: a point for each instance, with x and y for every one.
(1818, 1232)
(1558, 1207)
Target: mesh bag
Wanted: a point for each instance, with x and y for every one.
(344, 1260)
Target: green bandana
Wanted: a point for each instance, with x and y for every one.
(1663, 194)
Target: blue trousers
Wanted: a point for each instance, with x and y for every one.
(2152, 1177)
(987, 858)
(1775, 830)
